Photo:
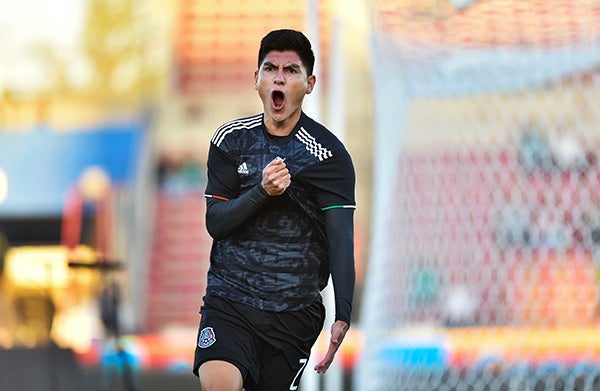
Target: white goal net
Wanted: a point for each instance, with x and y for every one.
(486, 223)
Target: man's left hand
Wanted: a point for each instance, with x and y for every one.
(338, 332)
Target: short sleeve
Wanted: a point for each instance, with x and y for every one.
(223, 180)
(334, 179)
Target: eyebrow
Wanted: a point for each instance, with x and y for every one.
(292, 65)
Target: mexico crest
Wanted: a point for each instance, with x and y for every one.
(207, 337)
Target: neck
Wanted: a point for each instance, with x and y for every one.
(281, 128)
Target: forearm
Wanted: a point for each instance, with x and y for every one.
(340, 233)
(225, 216)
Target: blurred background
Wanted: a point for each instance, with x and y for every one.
(474, 132)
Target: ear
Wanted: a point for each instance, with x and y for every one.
(256, 79)
(310, 83)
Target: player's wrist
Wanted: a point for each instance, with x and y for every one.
(259, 195)
(344, 320)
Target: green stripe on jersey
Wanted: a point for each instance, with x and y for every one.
(339, 207)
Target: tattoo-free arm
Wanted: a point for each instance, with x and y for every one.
(225, 216)
(339, 225)
(226, 210)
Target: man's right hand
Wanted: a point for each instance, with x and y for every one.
(276, 177)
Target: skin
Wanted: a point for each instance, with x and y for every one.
(282, 72)
(283, 75)
(219, 376)
(338, 331)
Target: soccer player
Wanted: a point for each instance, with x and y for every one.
(280, 206)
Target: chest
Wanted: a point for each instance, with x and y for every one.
(254, 154)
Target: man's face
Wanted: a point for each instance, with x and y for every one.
(281, 83)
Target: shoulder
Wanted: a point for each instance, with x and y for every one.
(319, 140)
(232, 129)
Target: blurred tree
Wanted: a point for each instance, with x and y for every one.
(53, 64)
(119, 61)
(117, 45)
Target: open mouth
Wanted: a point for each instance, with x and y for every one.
(278, 99)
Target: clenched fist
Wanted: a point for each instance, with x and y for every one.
(276, 177)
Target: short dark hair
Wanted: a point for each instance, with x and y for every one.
(285, 39)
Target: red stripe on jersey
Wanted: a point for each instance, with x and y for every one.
(216, 196)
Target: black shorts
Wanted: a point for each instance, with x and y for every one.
(271, 349)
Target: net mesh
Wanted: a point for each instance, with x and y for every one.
(484, 260)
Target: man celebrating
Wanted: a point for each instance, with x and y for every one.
(280, 206)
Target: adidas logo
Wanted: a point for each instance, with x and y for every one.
(243, 169)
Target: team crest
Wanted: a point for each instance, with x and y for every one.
(207, 337)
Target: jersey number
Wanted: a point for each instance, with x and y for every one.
(294, 385)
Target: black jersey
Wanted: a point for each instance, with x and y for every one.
(277, 260)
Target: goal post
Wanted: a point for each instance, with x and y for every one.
(484, 258)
